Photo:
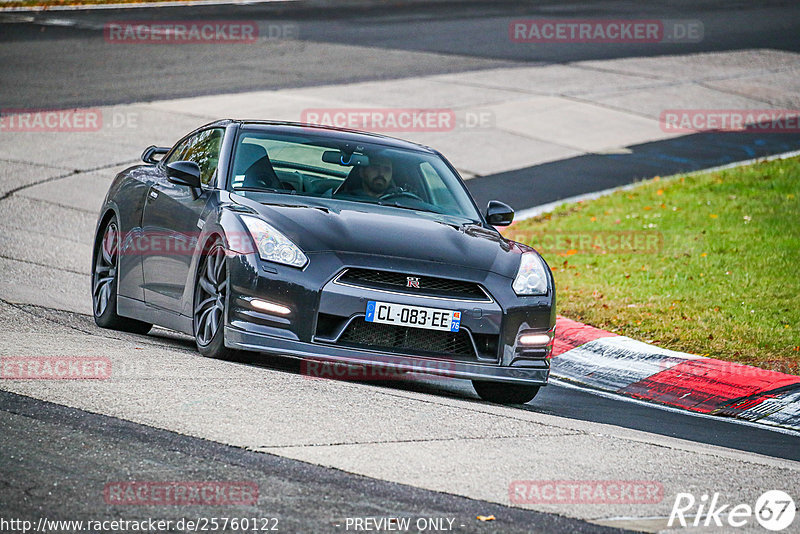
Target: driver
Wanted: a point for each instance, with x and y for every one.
(376, 178)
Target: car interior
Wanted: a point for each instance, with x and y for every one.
(307, 169)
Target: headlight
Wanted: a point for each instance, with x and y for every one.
(273, 245)
(532, 276)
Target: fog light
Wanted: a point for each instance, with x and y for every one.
(270, 307)
(539, 340)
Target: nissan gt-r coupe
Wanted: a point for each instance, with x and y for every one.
(326, 245)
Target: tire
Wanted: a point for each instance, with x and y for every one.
(210, 305)
(105, 281)
(503, 393)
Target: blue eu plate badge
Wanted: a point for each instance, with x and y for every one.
(455, 322)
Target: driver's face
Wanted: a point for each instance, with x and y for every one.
(377, 175)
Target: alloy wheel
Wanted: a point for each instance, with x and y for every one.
(212, 288)
(105, 269)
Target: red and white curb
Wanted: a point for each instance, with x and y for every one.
(606, 361)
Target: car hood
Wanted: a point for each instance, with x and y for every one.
(391, 232)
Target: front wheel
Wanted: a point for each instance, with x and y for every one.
(503, 393)
(210, 300)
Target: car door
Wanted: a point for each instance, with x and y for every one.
(171, 221)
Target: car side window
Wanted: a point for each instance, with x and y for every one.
(202, 149)
(178, 152)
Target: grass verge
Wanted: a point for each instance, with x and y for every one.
(707, 264)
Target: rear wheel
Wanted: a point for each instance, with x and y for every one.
(104, 284)
(502, 393)
(210, 300)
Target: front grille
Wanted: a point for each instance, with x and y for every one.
(401, 339)
(429, 286)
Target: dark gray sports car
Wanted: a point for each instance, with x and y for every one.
(327, 245)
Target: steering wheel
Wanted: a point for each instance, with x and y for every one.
(400, 193)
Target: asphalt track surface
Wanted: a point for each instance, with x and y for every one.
(52, 450)
(344, 45)
(75, 66)
(87, 451)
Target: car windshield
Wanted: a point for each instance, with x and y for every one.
(325, 167)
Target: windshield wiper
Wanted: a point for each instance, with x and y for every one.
(265, 190)
(393, 205)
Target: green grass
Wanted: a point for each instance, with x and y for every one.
(716, 272)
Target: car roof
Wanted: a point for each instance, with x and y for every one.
(340, 134)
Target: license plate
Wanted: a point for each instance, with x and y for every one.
(416, 316)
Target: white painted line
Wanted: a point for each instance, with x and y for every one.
(550, 206)
(615, 396)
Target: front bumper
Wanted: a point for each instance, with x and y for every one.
(243, 340)
(313, 295)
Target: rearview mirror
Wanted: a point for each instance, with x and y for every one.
(152, 150)
(184, 173)
(499, 214)
(348, 160)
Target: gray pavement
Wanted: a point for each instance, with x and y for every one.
(339, 44)
(435, 437)
(57, 462)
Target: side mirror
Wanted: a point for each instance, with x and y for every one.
(152, 150)
(184, 173)
(499, 214)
